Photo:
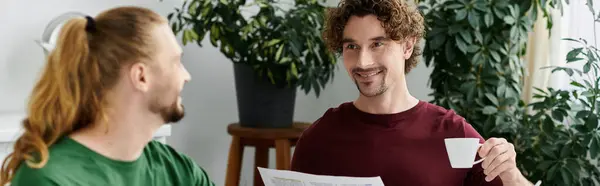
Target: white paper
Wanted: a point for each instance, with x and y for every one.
(272, 177)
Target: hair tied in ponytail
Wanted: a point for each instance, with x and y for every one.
(91, 24)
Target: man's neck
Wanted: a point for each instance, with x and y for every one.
(122, 137)
(395, 100)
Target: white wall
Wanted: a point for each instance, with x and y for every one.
(209, 98)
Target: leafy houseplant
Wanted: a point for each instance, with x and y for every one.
(273, 51)
(478, 44)
(561, 138)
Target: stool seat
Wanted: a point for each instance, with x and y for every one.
(263, 139)
(235, 129)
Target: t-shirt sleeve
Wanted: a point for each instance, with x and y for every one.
(26, 176)
(200, 176)
(476, 177)
(189, 170)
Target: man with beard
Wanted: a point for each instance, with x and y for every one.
(109, 84)
(387, 132)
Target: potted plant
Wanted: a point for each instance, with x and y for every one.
(273, 51)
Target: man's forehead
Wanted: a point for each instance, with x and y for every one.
(363, 28)
(164, 40)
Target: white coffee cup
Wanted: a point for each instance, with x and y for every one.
(462, 151)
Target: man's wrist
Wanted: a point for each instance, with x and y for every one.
(519, 180)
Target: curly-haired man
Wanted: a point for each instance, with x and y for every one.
(386, 131)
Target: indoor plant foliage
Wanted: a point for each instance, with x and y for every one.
(284, 46)
(275, 48)
(475, 47)
(561, 138)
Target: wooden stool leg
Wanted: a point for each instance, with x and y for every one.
(234, 164)
(283, 151)
(261, 159)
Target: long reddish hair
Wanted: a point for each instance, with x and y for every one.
(84, 65)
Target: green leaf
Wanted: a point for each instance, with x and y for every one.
(466, 36)
(495, 55)
(294, 69)
(478, 36)
(480, 5)
(273, 42)
(556, 114)
(572, 55)
(500, 14)
(548, 126)
(577, 84)
(590, 5)
(461, 14)
(455, 6)
(511, 101)
(278, 53)
(591, 121)
(565, 151)
(552, 170)
(545, 165)
(509, 20)
(450, 52)
(477, 58)
(437, 41)
(462, 46)
(492, 98)
(489, 19)
(573, 166)
(565, 176)
(489, 110)
(586, 67)
(548, 152)
(595, 147)
(473, 48)
(474, 19)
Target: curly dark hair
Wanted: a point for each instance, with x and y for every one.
(399, 20)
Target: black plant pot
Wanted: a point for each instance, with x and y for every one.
(260, 103)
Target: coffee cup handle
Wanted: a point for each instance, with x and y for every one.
(480, 160)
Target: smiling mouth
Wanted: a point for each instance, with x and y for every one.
(368, 74)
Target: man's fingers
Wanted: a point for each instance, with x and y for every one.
(493, 153)
(496, 162)
(489, 145)
(503, 167)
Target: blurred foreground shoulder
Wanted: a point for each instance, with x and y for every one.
(27, 176)
(198, 174)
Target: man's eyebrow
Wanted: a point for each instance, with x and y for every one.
(348, 40)
(380, 38)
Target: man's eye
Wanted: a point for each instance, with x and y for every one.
(378, 44)
(351, 46)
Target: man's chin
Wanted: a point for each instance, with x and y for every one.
(370, 91)
(174, 115)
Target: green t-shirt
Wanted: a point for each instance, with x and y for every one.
(72, 164)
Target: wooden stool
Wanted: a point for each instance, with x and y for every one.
(262, 139)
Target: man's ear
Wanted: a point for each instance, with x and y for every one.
(138, 75)
(409, 45)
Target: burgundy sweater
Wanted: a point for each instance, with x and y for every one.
(405, 148)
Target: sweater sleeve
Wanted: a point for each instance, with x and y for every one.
(476, 177)
(303, 155)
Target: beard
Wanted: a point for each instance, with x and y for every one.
(374, 88)
(173, 113)
(371, 93)
(170, 114)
